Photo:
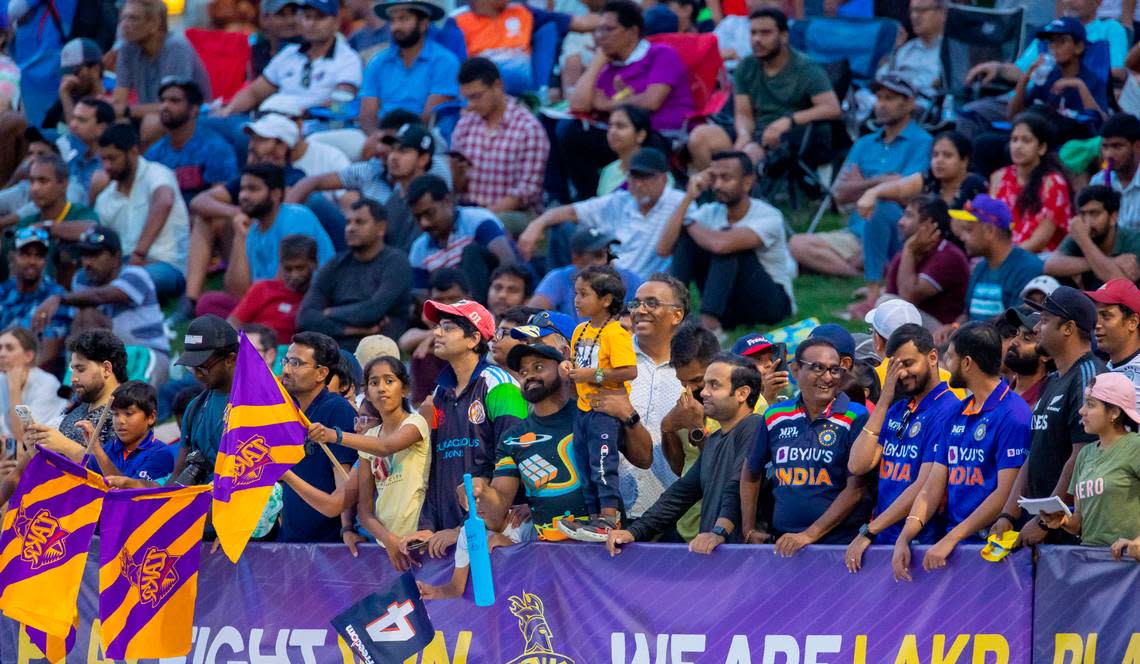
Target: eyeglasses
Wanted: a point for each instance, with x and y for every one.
(817, 369)
(500, 333)
(295, 363)
(651, 303)
(448, 326)
(208, 364)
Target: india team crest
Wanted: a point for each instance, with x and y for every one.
(827, 437)
(250, 460)
(153, 575)
(914, 429)
(536, 632)
(43, 538)
(476, 414)
(980, 432)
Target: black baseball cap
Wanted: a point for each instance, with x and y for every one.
(1070, 304)
(98, 239)
(515, 357)
(590, 239)
(648, 161)
(205, 336)
(416, 137)
(1022, 316)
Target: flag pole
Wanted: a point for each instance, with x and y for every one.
(335, 461)
(95, 433)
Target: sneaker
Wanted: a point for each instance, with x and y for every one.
(594, 530)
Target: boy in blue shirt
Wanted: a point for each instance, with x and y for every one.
(900, 437)
(978, 459)
(133, 452)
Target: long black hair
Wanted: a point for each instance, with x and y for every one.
(1029, 200)
(398, 370)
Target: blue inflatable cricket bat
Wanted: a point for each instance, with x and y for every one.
(476, 529)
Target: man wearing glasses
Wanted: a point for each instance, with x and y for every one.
(900, 436)
(802, 449)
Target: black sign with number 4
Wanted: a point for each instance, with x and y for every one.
(387, 627)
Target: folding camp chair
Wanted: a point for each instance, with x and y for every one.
(862, 42)
(226, 57)
(975, 35)
(708, 78)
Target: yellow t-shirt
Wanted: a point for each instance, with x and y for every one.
(943, 375)
(608, 348)
(401, 479)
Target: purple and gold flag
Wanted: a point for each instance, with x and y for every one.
(43, 546)
(264, 436)
(52, 648)
(149, 549)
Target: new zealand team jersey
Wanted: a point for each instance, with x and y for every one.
(908, 440)
(806, 462)
(982, 440)
(539, 451)
(464, 432)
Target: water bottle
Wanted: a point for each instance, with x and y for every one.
(1041, 74)
(949, 114)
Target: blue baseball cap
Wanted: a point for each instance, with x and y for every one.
(544, 323)
(750, 344)
(838, 336)
(987, 210)
(326, 7)
(32, 235)
(1065, 25)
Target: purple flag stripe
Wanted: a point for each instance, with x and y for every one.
(274, 434)
(253, 384)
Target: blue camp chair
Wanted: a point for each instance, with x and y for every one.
(863, 42)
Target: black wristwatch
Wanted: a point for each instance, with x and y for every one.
(697, 435)
(720, 530)
(632, 420)
(865, 531)
(791, 118)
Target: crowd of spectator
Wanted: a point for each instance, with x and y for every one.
(461, 258)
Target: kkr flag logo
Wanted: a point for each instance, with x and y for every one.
(43, 537)
(537, 635)
(154, 576)
(251, 458)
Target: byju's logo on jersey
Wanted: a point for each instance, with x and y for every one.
(781, 455)
(952, 454)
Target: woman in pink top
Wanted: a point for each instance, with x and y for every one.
(1033, 187)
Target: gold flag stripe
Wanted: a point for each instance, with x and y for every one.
(261, 416)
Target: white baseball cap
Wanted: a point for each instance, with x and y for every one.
(1043, 283)
(275, 126)
(291, 106)
(891, 315)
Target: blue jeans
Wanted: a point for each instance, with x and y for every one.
(881, 239)
(169, 282)
(331, 218)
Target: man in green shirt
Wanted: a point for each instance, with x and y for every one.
(48, 179)
(779, 93)
(1097, 249)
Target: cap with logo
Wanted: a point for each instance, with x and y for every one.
(205, 336)
(544, 323)
(1065, 25)
(986, 210)
(1069, 304)
(98, 239)
(78, 53)
(839, 337)
(895, 83)
(374, 346)
(429, 9)
(416, 137)
(1043, 283)
(32, 235)
(1022, 316)
(648, 161)
(1117, 291)
(586, 240)
(751, 343)
(275, 125)
(516, 354)
(891, 315)
(326, 7)
(479, 316)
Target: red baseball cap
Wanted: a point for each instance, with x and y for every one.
(1117, 291)
(482, 319)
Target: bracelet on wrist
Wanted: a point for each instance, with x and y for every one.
(339, 435)
(873, 434)
(1007, 516)
(920, 523)
(347, 529)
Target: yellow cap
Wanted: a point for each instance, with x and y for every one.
(999, 546)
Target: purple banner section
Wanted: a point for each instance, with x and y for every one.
(653, 604)
(1086, 607)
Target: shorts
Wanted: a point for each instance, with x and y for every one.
(846, 244)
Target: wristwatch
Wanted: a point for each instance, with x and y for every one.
(632, 420)
(720, 530)
(599, 376)
(697, 435)
(865, 531)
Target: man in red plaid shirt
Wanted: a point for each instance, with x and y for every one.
(505, 144)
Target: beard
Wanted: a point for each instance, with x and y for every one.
(88, 394)
(920, 385)
(409, 40)
(535, 390)
(258, 210)
(957, 381)
(1022, 365)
